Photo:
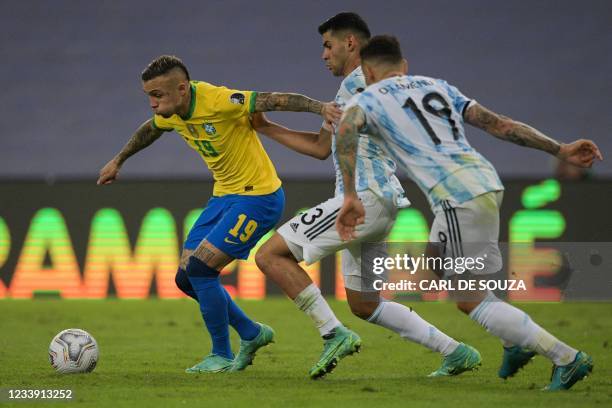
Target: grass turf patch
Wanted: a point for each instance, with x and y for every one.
(146, 345)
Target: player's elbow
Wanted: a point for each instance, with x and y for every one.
(322, 153)
(260, 123)
(258, 127)
(322, 147)
(504, 125)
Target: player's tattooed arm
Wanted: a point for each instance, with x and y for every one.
(317, 145)
(143, 137)
(581, 153)
(510, 130)
(277, 101)
(346, 145)
(352, 212)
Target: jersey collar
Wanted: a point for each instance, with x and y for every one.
(191, 103)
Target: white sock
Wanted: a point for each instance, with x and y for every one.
(514, 326)
(312, 302)
(410, 326)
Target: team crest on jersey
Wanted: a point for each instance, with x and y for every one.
(209, 128)
(237, 98)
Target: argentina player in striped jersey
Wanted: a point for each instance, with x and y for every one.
(419, 121)
(312, 235)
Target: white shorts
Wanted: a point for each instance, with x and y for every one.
(312, 235)
(470, 230)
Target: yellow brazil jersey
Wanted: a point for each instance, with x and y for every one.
(218, 128)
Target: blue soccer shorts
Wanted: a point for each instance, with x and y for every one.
(235, 223)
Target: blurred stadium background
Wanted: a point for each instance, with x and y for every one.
(71, 98)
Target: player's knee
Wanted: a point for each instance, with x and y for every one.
(466, 307)
(199, 269)
(265, 255)
(262, 259)
(182, 282)
(363, 310)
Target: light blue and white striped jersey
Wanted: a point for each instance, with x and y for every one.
(419, 121)
(374, 170)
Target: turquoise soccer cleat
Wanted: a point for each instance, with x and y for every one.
(464, 358)
(248, 348)
(564, 377)
(515, 358)
(212, 363)
(341, 343)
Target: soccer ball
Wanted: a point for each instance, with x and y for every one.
(73, 351)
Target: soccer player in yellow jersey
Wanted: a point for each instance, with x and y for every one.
(247, 201)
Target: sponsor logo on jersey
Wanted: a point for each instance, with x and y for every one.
(294, 226)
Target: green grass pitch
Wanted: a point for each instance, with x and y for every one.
(146, 345)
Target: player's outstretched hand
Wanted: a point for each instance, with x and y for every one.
(331, 112)
(581, 153)
(351, 214)
(109, 172)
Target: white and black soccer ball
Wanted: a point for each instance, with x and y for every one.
(73, 351)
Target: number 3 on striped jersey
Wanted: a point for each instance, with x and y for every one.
(248, 231)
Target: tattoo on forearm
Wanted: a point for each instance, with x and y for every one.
(275, 101)
(525, 135)
(508, 129)
(143, 137)
(346, 145)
